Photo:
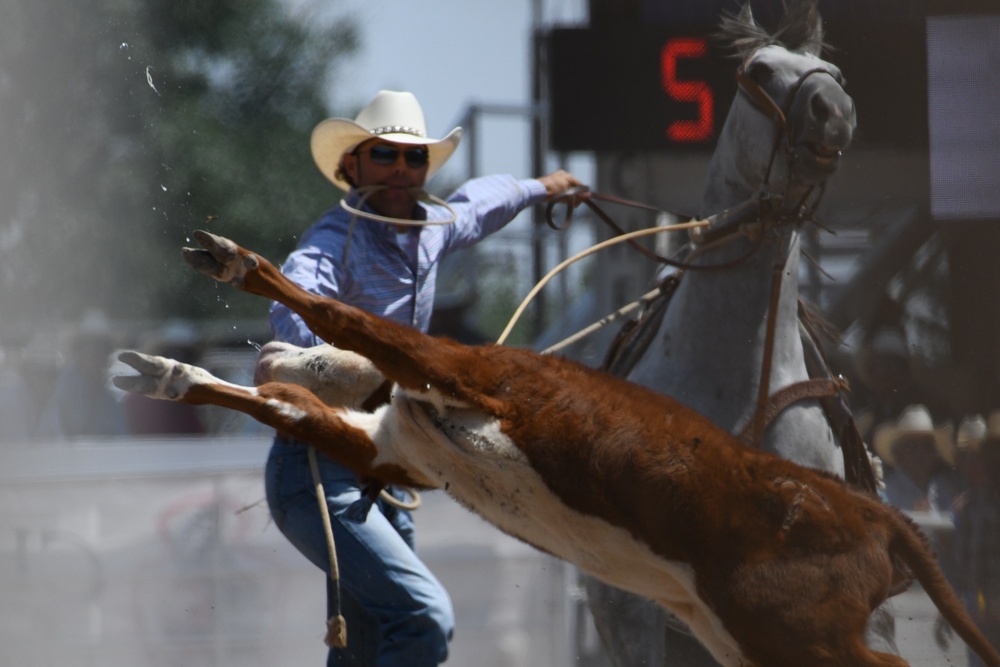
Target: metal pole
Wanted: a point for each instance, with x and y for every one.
(537, 163)
(471, 119)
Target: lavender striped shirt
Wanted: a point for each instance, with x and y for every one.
(392, 275)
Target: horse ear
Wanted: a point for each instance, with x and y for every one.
(802, 28)
(814, 41)
(749, 33)
(746, 15)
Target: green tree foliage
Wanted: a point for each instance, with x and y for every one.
(125, 124)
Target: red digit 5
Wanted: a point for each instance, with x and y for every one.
(697, 92)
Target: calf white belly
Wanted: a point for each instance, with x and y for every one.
(467, 454)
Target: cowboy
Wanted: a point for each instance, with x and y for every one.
(379, 250)
(912, 446)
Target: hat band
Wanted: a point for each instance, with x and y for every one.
(397, 129)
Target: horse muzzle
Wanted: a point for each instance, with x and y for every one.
(825, 120)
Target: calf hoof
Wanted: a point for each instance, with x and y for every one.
(220, 259)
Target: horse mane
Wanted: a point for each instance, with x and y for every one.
(800, 29)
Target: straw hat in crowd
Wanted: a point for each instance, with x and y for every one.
(914, 420)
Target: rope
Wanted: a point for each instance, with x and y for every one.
(368, 190)
(585, 253)
(336, 626)
(419, 193)
(603, 322)
(402, 504)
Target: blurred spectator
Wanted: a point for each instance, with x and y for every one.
(910, 447)
(149, 416)
(949, 490)
(82, 403)
(13, 400)
(26, 378)
(947, 487)
(887, 386)
(961, 456)
(977, 533)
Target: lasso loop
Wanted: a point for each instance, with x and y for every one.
(420, 194)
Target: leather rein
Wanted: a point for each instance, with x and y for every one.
(770, 405)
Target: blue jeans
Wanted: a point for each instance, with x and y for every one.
(397, 612)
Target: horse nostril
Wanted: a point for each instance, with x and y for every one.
(820, 109)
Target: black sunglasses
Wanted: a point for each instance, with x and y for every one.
(386, 155)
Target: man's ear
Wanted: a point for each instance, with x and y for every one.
(349, 165)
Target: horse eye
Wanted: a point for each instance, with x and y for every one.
(761, 73)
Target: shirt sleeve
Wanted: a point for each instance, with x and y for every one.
(315, 272)
(485, 205)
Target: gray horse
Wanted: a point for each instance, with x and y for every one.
(728, 324)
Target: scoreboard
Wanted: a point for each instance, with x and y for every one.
(924, 74)
(668, 87)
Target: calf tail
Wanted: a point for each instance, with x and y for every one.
(911, 546)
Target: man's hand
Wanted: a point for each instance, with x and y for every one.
(559, 182)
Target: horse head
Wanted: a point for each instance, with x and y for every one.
(731, 335)
(791, 119)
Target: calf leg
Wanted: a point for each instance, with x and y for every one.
(409, 358)
(354, 439)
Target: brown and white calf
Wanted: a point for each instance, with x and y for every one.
(769, 563)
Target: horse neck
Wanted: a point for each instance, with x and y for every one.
(724, 312)
(747, 287)
(736, 174)
(750, 278)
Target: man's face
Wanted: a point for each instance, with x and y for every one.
(916, 455)
(397, 166)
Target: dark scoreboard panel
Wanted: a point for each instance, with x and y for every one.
(662, 81)
(925, 75)
(668, 87)
(636, 87)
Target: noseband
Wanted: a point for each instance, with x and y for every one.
(767, 208)
(763, 102)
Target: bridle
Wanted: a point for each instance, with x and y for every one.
(774, 209)
(765, 103)
(770, 406)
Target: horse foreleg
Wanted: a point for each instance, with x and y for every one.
(354, 439)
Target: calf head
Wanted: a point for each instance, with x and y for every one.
(339, 378)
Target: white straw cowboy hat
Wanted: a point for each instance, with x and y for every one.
(993, 425)
(391, 115)
(914, 420)
(972, 431)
